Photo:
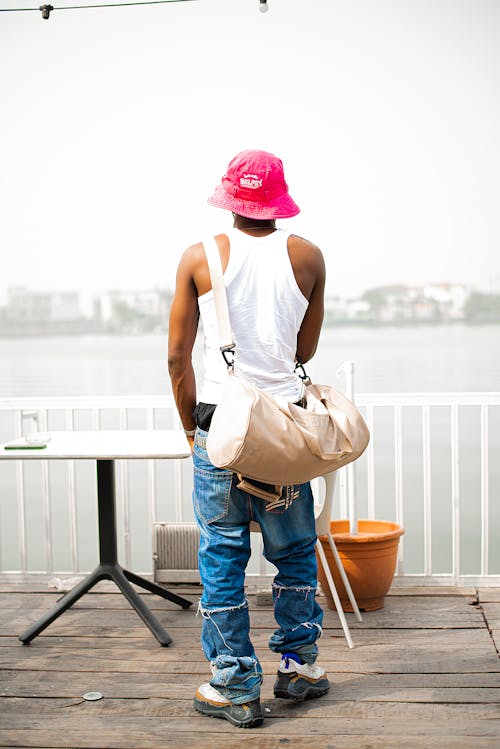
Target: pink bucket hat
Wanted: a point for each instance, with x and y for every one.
(254, 186)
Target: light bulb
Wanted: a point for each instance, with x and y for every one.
(263, 6)
(46, 10)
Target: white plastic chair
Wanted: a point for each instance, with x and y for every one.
(323, 514)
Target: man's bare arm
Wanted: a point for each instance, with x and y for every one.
(183, 325)
(308, 336)
(309, 270)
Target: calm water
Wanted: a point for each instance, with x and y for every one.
(441, 358)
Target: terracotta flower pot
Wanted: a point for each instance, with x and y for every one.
(369, 560)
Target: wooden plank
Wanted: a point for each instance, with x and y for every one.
(429, 665)
(367, 643)
(131, 626)
(397, 589)
(401, 589)
(368, 682)
(474, 664)
(491, 613)
(495, 636)
(406, 656)
(369, 686)
(423, 599)
(174, 706)
(91, 725)
(45, 601)
(489, 595)
(12, 620)
(364, 638)
(492, 617)
(163, 660)
(103, 586)
(253, 739)
(114, 600)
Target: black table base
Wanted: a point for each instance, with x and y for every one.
(109, 569)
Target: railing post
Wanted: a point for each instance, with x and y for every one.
(398, 479)
(21, 504)
(73, 516)
(485, 525)
(47, 509)
(455, 491)
(125, 497)
(427, 488)
(370, 462)
(348, 369)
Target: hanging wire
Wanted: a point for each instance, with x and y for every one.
(101, 5)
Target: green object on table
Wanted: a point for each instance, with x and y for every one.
(24, 447)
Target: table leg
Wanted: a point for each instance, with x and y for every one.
(157, 589)
(62, 605)
(109, 569)
(138, 604)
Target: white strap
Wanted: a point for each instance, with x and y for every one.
(219, 289)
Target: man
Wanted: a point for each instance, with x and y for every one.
(275, 287)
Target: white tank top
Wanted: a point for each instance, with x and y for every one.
(266, 309)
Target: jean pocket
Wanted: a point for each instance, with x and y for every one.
(211, 493)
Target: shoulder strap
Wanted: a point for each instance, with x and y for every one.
(220, 296)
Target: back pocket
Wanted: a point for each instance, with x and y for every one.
(211, 493)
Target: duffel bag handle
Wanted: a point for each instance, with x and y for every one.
(247, 485)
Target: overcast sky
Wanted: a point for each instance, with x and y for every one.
(117, 123)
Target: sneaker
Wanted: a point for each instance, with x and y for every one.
(210, 702)
(299, 681)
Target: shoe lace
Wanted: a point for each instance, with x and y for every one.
(287, 657)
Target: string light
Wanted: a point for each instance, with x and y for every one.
(47, 9)
(263, 6)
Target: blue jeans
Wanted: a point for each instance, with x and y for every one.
(223, 514)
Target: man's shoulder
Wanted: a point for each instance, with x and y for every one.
(194, 265)
(196, 252)
(294, 240)
(302, 250)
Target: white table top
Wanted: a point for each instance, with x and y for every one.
(104, 445)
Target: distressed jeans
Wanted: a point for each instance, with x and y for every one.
(223, 514)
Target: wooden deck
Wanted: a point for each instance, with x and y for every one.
(424, 674)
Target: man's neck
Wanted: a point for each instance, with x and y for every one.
(255, 227)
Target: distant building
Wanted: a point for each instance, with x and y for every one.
(399, 303)
(134, 308)
(450, 299)
(434, 302)
(345, 310)
(28, 306)
(137, 311)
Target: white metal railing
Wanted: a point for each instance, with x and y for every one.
(381, 471)
(479, 442)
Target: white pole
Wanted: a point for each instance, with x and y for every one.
(455, 490)
(348, 369)
(484, 491)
